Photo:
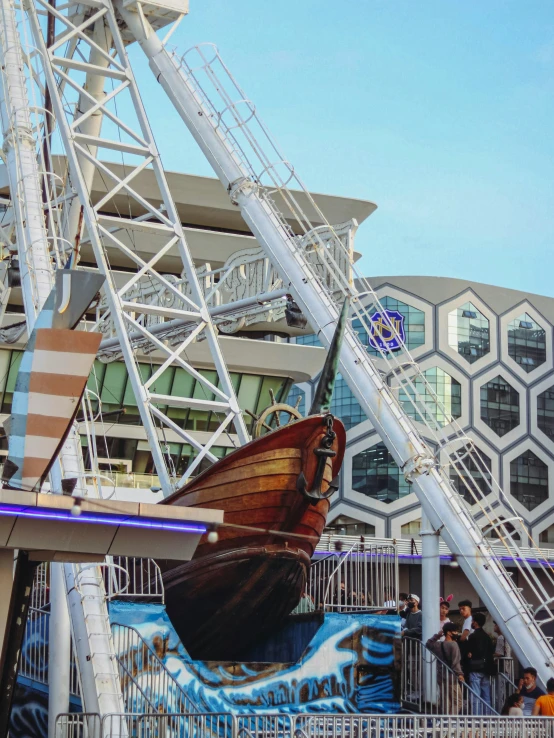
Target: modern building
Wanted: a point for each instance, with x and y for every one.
(256, 344)
(487, 353)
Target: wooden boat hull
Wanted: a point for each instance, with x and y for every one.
(243, 585)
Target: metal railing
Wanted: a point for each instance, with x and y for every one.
(225, 725)
(148, 687)
(363, 577)
(411, 548)
(133, 578)
(429, 686)
(33, 659)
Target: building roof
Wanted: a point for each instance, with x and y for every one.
(436, 290)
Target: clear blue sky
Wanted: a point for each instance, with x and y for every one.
(440, 111)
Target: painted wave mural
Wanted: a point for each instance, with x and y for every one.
(347, 666)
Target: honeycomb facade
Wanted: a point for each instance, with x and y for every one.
(487, 354)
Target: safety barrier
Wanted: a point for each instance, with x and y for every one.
(225, 725)
(363, 577)
(429, 686)
(148, 687)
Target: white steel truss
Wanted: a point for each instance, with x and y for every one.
(238, 146)
(97, 124)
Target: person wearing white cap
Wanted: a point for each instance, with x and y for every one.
(413, 627)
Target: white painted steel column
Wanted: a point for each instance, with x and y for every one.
(59, 649)
(430, 594)
(438, 498)
(94, 85)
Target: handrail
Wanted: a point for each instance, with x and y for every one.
(320, 725)
(364, 577)
(128, 642)
(416, 657)
(342, 561)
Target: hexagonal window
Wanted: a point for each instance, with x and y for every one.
(346, 526)
(546, 537)
(469, 332)
(375, 474)
(499, 406)
(414, 324)
(411, 529)
(448, 391)
(527, 342)
(471, 475)
(529, 480)
(344, 405)
(545, 412)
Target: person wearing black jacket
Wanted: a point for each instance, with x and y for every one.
(481, 665)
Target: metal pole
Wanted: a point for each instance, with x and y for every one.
(59, 649)
(430, 594)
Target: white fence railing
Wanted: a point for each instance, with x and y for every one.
(411, 547)
(225, 725)
(127, 577)
(365, 576)
(147, 685)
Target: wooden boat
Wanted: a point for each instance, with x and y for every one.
(242, 586)
(275, 493)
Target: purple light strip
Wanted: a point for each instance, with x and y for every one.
(443, 557)
(125, 522)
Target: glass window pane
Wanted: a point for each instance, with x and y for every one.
(499, 406)
(469, 332)
(375, 474)
(529, 480)
(526, 342)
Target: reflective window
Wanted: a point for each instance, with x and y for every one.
(375, 474)
(345, 526)
(448, 391)
(292, 399)
(309, 340)
(527, 342)
(112, 383)
(529, 480)
(499, 406)
(345, 406)
(414, 324)
(411, 529)
(545, 412)
(469, 332)
(471, 478)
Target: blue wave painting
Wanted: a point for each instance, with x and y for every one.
(348, 666)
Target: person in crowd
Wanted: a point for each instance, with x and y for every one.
(413, 627)
(528, 689)
(464, 607)
(444, 612)
(545, 703)
(502, 650)
(402, 607)
(480, 651)
(389, 601)
(513, 705)
(445, 647)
